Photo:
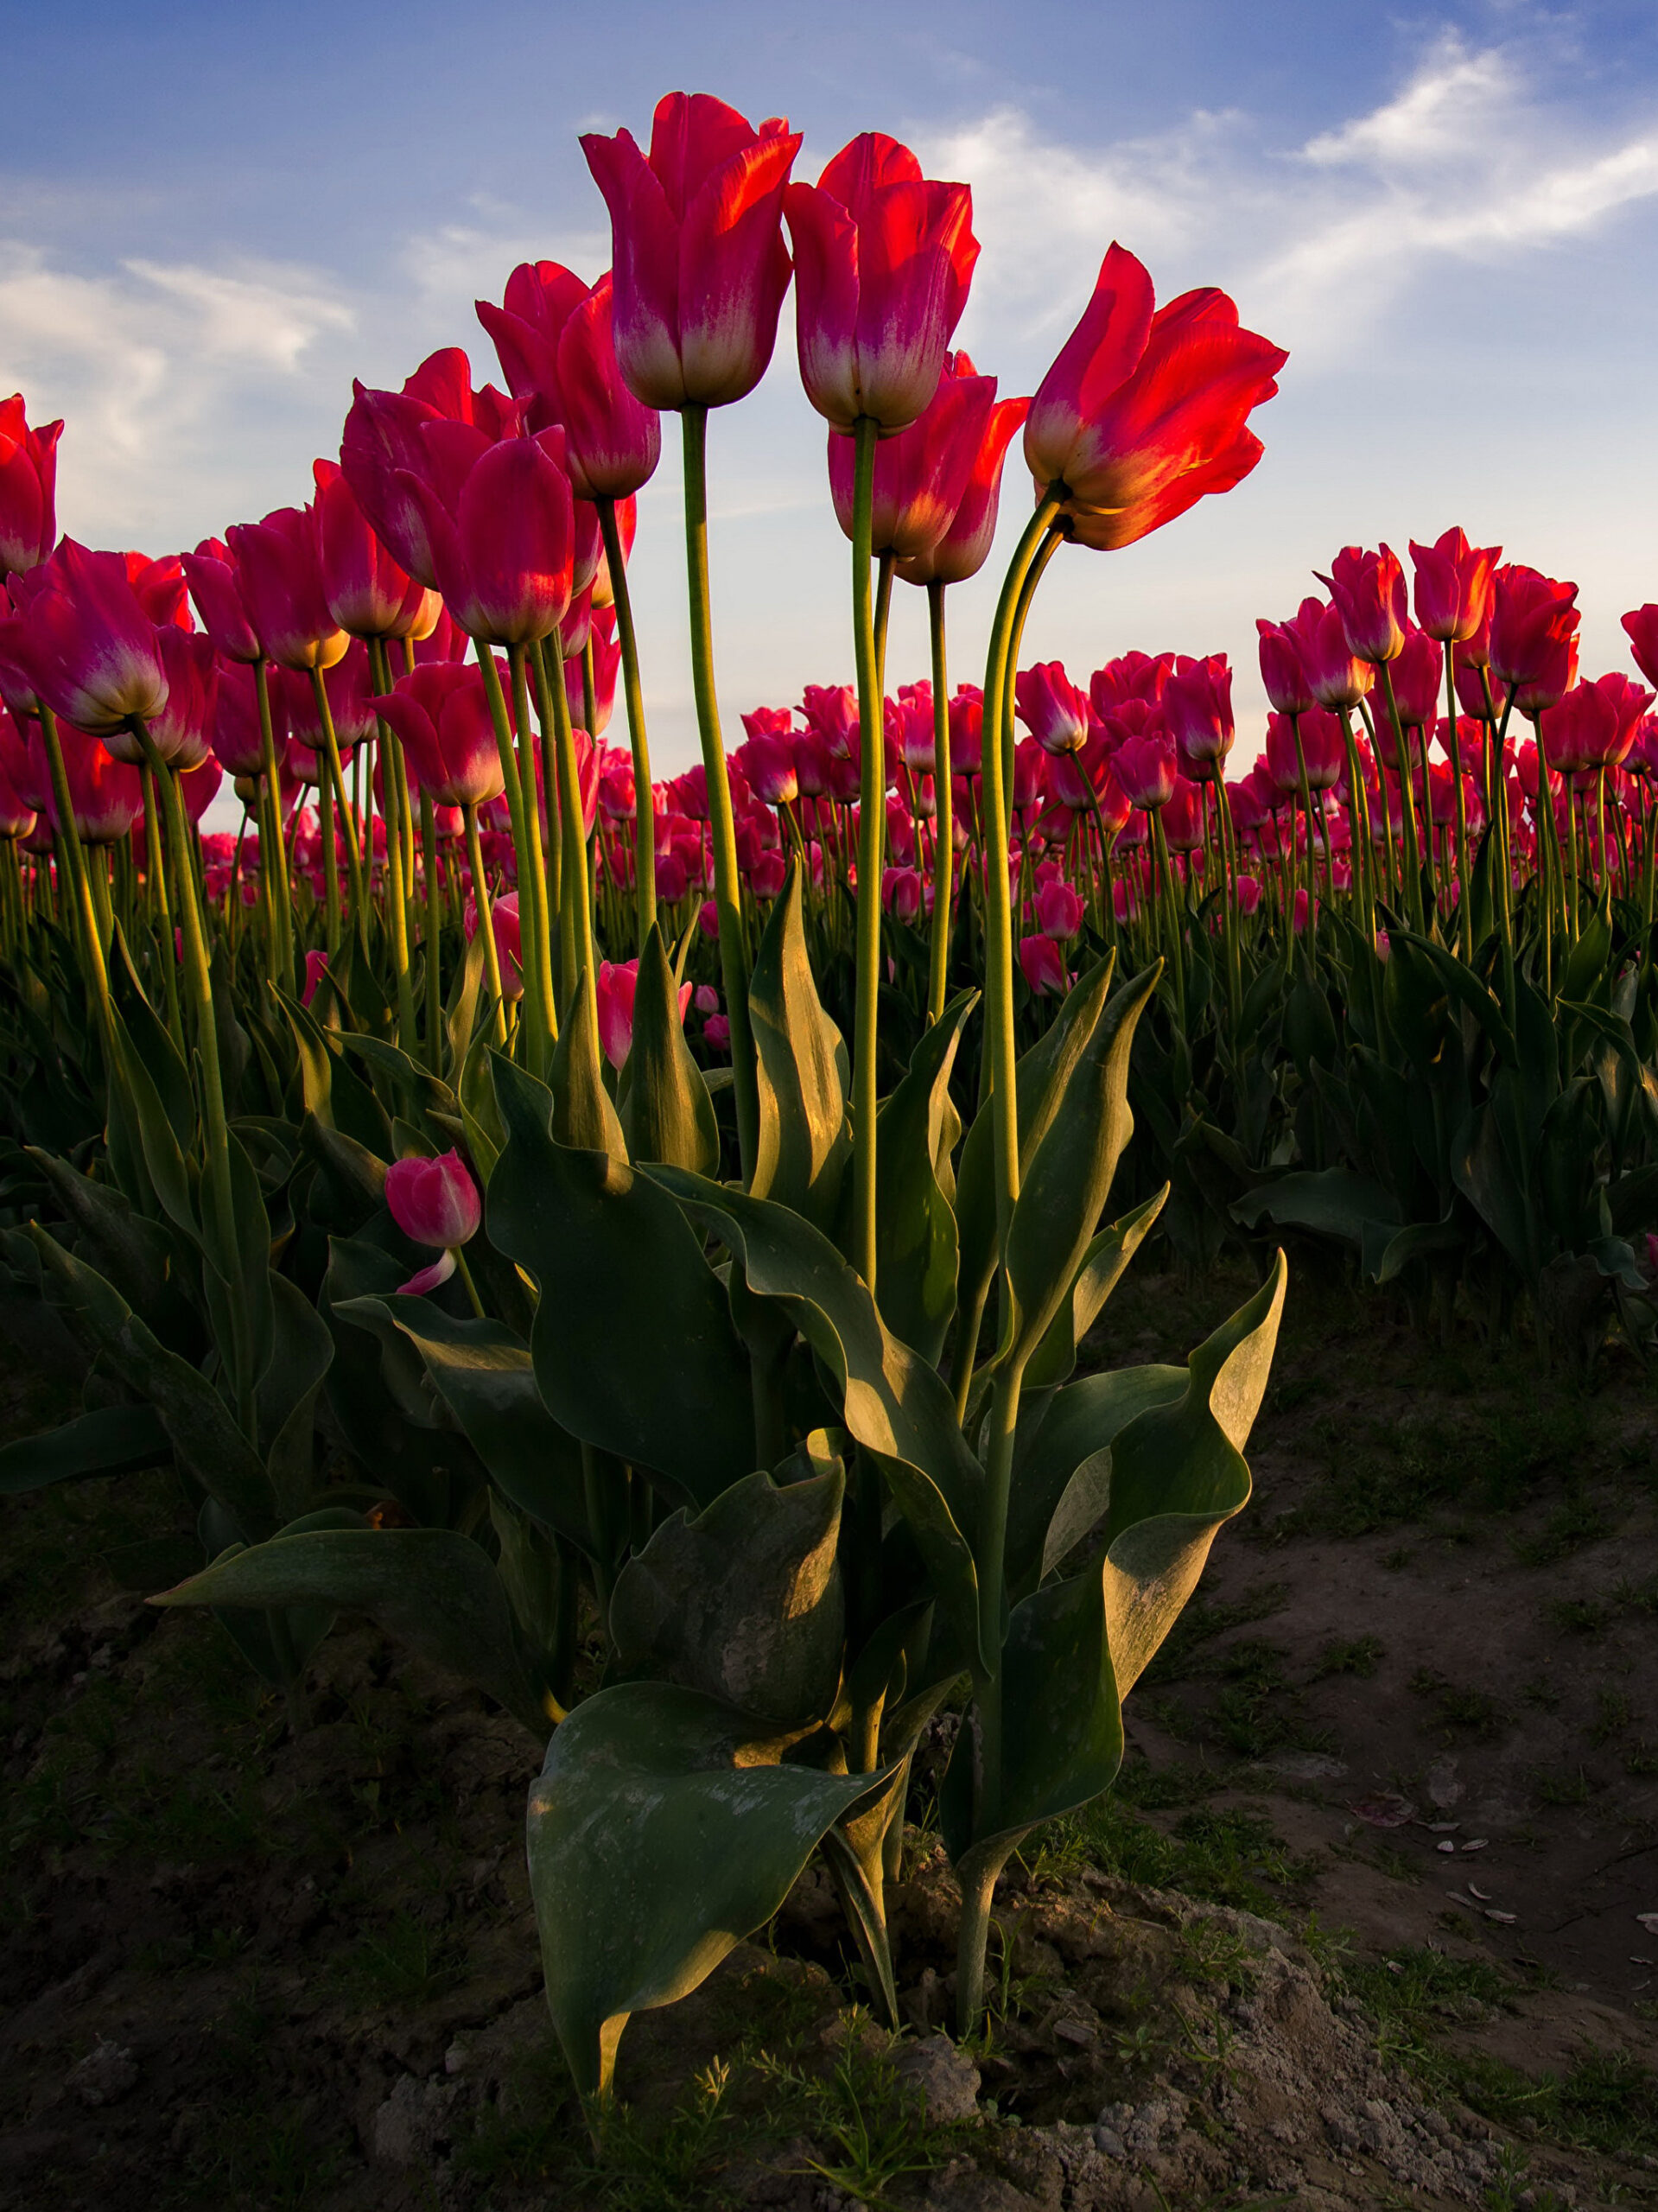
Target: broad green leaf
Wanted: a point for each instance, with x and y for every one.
(916, 1235)
(1064, 1194)
(667, 1113)
(583, 1116)
(199, 1424)
(893, 1402)
(115, 1440)
(1103, 1266)
(1333, 1201)
(132, 1253)
(803, 1141)
(744, 1602)
(430, 1588)
(1386, 1251)
(1083, 1419)
(633, 1344)
(660, 1834)
(484, 1374)
(285, 1405)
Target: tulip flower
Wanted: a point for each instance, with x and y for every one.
(1453, 585)
(922, 473)
(1142, 413)
(1641, 626)
(1145, 768)
(1322, 747)
(1337, 677)
(965, 545)
(279, 573)
(539, 300)
(1043, 966)
(1051, 707)
(367, 594)
(901, 894)
(768, 764)
(1059, 910)
(29, 470)
(1135, 676)
(1593, 725)
(1418, 673)
(81, 640)
(607, 666)
(235, 735)
(215, 586)
(699, 265)
(181, 730)
(1534, 636)
(434, 1202)
(509, 940)
(440, 715)
(883, 259)
(1198, 705)
(106, 794)
(613, 441)
(500, 522)
(618, 986)
(1369, 591)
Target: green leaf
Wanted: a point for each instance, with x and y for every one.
(660, 1834)
(583, 1116)
(1386, 1251)
(916, 1247)
(633, 1345)
(1079, 1421)
(667, 1113)
(744, 1602)
(893, 1402)
(285, 1406)
(1103, 1266)
(804, 1140)
(199, 1425)
(430, 1588)
(1061, 1198)
(115, 1440)
(484, 1374)
(1332, 1201)
(134, 1255)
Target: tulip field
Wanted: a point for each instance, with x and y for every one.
(646, 1251)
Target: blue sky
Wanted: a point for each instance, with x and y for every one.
(211, 218)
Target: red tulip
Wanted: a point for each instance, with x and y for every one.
(1285, 649)
(1051, 707)
(367, 592)
(80, 639)
(210, 572)
(1534, 636)
(199, 787)
(967, 729)
(540, 298)
(921, 473)
(500, 523)
(350, 687)
(616, 990)
(883, 259)
(1453, 585)
(1143, 413)
(28, 472)
(607, 666)
(440, 715)
(1059, 910)
(1183, 817)
(106, 794)
(236, 735)
(279, 572)
(1335, 674)
(1197, 704)
(1043, 966)
(613, 443)
(1146, 767)
(181, 730)
(1593, 725)
(700, 268)
(1322, 747)
(1642, 627)
(1131, 676)
(1369, 590)
(434, 1201)
(965, 547)
(768, 764)
(901, 892)
(1418, 679)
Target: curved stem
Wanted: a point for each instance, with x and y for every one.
(644, 842)
(943, 856)
(728, 903)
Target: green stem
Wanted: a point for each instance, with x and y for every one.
(347, 824)
(486, 921)
(644, 842)
(394, 794)
(432, 936)
(552, 699)
(733, 966)
(525, 818)
(871, 820)
(943, 854)
(69, 842)
(274, 865)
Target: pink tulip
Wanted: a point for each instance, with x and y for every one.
(1336, 676)
(1146, 767)
(181, 730)
(105, 793)
(235, 736)
(1534, 636)
(964, 546)
(614, 443)
(1453, 585)
(81, 640)
(1418, 674)
(883, 257)
(700, 268)
(1059, 910)
(441, 717)
(509, 945)
(500, 522)
(1043, 966)
(1369, 590)
(434, 1201)
(1285, 649)
(901, 894)
(1051, 707)
(29, 469)
(922, 474)
(367, 594)
(1641, 625)
(1198, 705)
(1143, 413)
(279, 572)
(1593, 725)
(215, 586)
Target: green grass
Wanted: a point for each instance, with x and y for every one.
(1360, 1656)
(1457, 1707)
(1224, 1857)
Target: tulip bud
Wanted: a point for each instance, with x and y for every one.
(434, 1201)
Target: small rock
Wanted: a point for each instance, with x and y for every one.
(947, 2078)
(105, 2076)
(1109, 2144)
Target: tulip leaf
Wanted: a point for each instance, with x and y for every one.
(633, 1345)
(1064, 1193)
(667, 1115)
(804, 1140)
(1082, 1506)
(132, 1253)
(484, 1374)
(434, 1590)
(744, 1602)
(1039, 1081)
(893, 1401)
(660, 1834)
(916, 1247)
(198, 1423)
(113, 1441)
(1332, 1201)
(1104, 1264)
(1079, 1421)
(1386, 1251)
(285, 1404)
(583, 1116)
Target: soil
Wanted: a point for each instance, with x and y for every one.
(1363, 1924)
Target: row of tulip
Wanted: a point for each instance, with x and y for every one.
(634, 1361)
